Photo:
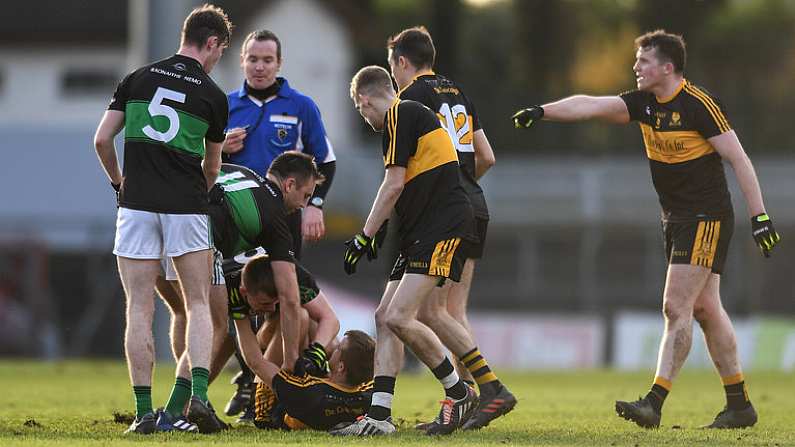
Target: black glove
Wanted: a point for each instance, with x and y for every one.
(378, 241)
(216, 194)
(238, 306)
(313, 361)
(357, 246)
(764, 234)
(526, 117)
(116, 187)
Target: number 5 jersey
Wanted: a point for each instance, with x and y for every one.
(170, 107)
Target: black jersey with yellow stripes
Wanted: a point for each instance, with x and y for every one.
(686, 170)
(459, 118)
(316, 403)
(433, 205)
(170, 107)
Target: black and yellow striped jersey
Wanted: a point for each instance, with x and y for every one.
(313, 402)
(433, 205)
(686, 170)
(170, 107)
(459, 118)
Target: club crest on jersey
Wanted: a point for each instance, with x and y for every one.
(676, 120)
(180, 66)
(282, 134)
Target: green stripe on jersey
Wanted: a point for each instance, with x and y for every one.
(189, 136)
(246, 215)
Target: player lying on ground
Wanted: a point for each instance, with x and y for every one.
(308, 400)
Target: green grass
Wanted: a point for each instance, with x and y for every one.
(73, 403)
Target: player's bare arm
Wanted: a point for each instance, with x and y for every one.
(582, 107)
(289, 309)
(484, 155)
(730, 149)
(252, 354)
(112, 123)
(211, 165)
(385, 200)
(328, 325)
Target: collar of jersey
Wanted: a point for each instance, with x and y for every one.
(676, 92)
(190, 59)
(285, 91)
(416, 76)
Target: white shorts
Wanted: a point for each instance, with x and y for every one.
(170, 273)
(147, 235)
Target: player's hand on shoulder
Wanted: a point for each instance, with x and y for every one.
(525, 118)
(764, 234)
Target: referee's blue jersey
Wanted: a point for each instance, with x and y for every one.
(290, 121)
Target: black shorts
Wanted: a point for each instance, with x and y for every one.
(444, 259)
(704, 243)
(475, 249)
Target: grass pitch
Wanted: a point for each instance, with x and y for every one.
(73, 404)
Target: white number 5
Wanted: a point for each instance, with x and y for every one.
(157, 108)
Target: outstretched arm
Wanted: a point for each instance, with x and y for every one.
(611, 109)
(581, 107)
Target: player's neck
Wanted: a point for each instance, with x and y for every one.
(275, 179)
(193, 53)
(668, 87)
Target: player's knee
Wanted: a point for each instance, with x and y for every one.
(380, 317)
(396, 323)
(429, 318)
(674, 312)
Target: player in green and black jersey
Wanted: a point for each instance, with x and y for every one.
(248, 212)
(686, 134)
(423, 187)
(411, 58)
(173, 117)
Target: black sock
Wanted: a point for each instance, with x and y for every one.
(454, 387)
(383, 391)
(737, 396)
(656, 396)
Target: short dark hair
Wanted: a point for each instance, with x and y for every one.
(358, 356)
(296, 164)
(261, 36)
(257, 276)
(371, 80)
(670, 47)
(415, 44)
(204, 22)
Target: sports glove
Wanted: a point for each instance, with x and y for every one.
(313, 361)
(357, 246)
(526, 117)
(238, 307)
(378, 241)
(764, 234)
(116, 187)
